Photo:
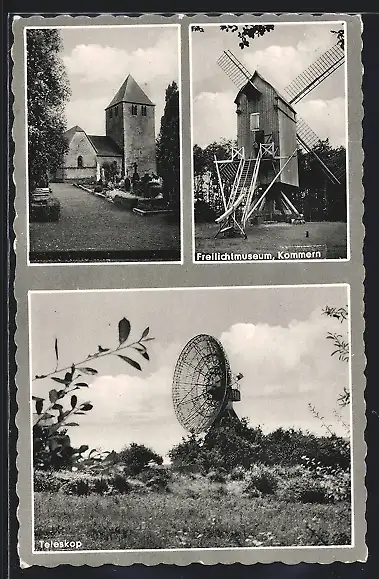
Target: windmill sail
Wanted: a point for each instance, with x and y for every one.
(315, 74)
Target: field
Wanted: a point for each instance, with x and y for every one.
(274, 237)
(193, 512)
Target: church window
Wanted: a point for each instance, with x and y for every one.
(134, 109)
(116, 111)
(110, 113)
(143, 110)
(80, 162)
(254, 121)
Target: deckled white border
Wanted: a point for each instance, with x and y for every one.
(109, 276)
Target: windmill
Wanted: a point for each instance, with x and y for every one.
(263, 170)
(204, 388)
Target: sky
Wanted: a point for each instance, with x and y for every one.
(275, 336)
(99, 58)
(279, 56)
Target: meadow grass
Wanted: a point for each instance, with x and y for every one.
(200, 515)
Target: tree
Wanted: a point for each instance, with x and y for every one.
(318, 198)
(47, 93)
(168, 148)
(245, 32)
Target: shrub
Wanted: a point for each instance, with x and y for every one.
(262, 479)
(157, 478)
(100, 486)
(136, 457)
(238, 473)
(77, 486)
(216, 476)
(45, 481)
(120, 484)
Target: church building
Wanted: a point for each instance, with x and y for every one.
(128, 144)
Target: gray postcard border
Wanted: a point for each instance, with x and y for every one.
(112, 276)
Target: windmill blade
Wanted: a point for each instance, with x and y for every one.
(305, 134)
(234, 69)
(315, 74)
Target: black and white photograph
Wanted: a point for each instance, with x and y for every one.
(175, 428)
(103, 143)
(269, 137)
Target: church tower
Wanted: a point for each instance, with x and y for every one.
(130, 122)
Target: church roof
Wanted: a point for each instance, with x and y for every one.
(105, 146)
(130, 92)
(69, 134)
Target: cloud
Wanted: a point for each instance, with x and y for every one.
(94, 62)
(327, 118)
(94, 69)
(285, 369)
(217, 114)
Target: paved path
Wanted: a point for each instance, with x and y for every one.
(90, 223)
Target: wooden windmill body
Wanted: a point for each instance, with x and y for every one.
(258, 181)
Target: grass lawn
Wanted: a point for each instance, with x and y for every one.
(219, 517)
(274, 237)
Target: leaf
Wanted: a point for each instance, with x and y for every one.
(47, 416)
(72, 369)
(86, 406)
(68, 377)
(82, 448)
(130, 361)
(78, 412)
(139, 347)
(39, 376)
(53, 396)
(87, 370)
(37, 398)
(145, 333)
(123, 330)
(57, 407)
(39, 406)
(61, 380)
(145, 355)
(56, 350)
(71, 424)
(74, 401)
(81, 385)
(148, 339)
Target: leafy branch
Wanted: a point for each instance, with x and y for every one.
(317, 415)
(124, 330)
(52, 445)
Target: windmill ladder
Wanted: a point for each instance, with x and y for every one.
(238, 187)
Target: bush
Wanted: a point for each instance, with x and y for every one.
(216, 476)
(262, 479)
(157, 478)
(119, 484)
(324, 487)
(238, 473)
(77, 486)
(45, 481)
(136, 457)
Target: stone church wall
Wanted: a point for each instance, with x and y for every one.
(139, 140)
(80, 147)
